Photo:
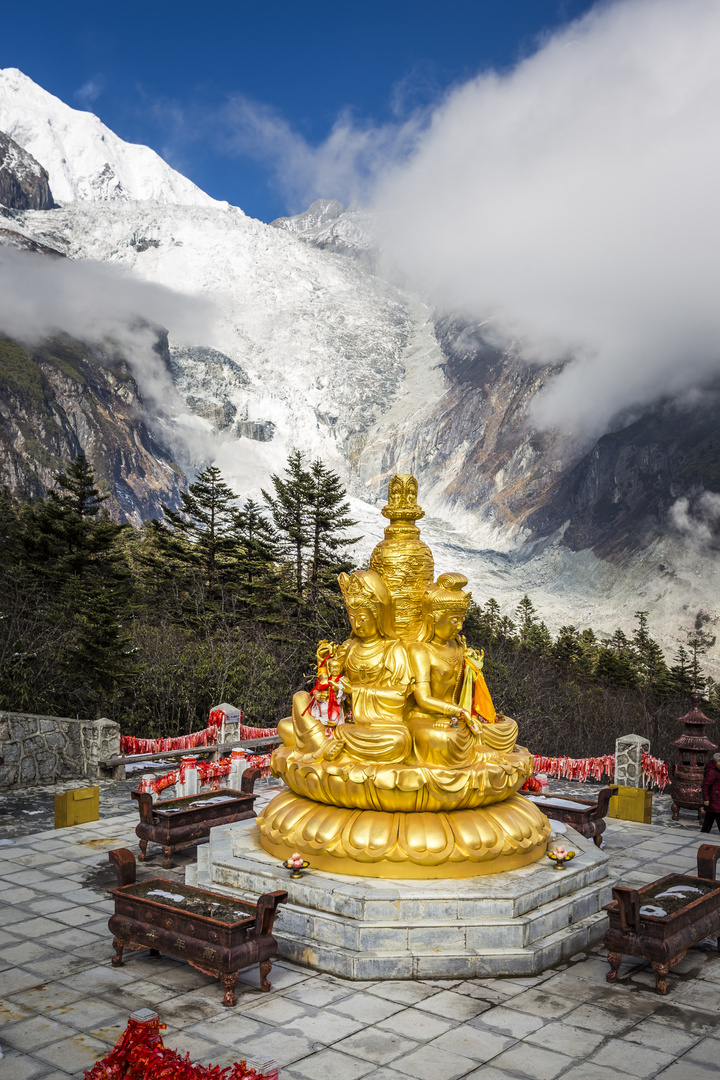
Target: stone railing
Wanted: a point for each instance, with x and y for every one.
(50, 749)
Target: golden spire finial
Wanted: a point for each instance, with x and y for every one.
(402, 504)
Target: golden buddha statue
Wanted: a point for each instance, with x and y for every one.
(422, 782)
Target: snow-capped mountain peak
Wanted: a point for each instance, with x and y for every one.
(85, 160)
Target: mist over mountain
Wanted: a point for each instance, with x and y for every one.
(194, 334)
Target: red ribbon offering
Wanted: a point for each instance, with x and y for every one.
(595, 768)
(139, 1054)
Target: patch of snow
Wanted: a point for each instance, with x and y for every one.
(175, 897)
(655, 912)
(85, 160)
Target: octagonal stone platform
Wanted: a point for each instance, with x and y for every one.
(516, 923)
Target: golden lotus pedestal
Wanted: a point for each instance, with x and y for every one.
(375, 843)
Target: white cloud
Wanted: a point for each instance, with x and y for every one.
(698, 520)
(103, 305)
(571, 203)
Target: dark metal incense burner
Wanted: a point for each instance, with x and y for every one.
(219, 935)
(589, 822)
(663, 919)
(692, 751)
(180, 823)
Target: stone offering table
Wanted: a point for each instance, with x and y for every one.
(663, 919)
(216, 935)
(586, 816)
(179, 823)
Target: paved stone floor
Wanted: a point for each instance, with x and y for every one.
(62, 1005)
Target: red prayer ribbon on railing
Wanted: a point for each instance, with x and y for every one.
(595, 768)
(208, 737)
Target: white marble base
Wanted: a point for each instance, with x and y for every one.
(516, 923)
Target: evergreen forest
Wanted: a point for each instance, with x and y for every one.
(225, 600)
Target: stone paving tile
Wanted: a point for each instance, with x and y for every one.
(17, 1066)
(36, 928)
(47, 996)
(366, 1007)
(284, 1047)
(577, 1042)
(636, 1060)
(688, 1070)
(376, 1045)
(326, 1028)
(473, 1042)
(543, 1003)
(330, 1063)
(317, 992)
(85, 1012)
(454, 1006)
(662, 1037)
(227, 1030)
(538, 1064)
(603, 1021)
(29, 1034)
(416, 1024)
(73, 1054)
(10, 1011)
(590, 1071)
(406, 992)
(432, 1063)
(706, 1052)
(275, 1010)
(509, 1022)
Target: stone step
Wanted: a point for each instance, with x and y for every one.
(517, 923)
(427, 964)
(238, 860)
(444, 936)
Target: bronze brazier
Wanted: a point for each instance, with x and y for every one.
(209, 942)
(182, 822)
(664, 939)
(589, 822)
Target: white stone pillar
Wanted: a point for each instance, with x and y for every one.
(628, 760)
(192, 781)
(238, 765)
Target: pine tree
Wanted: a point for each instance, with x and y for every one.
(328, 525)
(290, 510)
(72, 544)
(681, 680)
(257, 562)
(207, 519)
(698, 649)
(651, 667)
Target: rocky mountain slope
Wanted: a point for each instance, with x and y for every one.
(24, 182)
(314, 346)
(63, 397)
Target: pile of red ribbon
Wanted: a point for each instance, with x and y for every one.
(139, 1054)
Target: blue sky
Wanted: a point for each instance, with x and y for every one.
(175, 75)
